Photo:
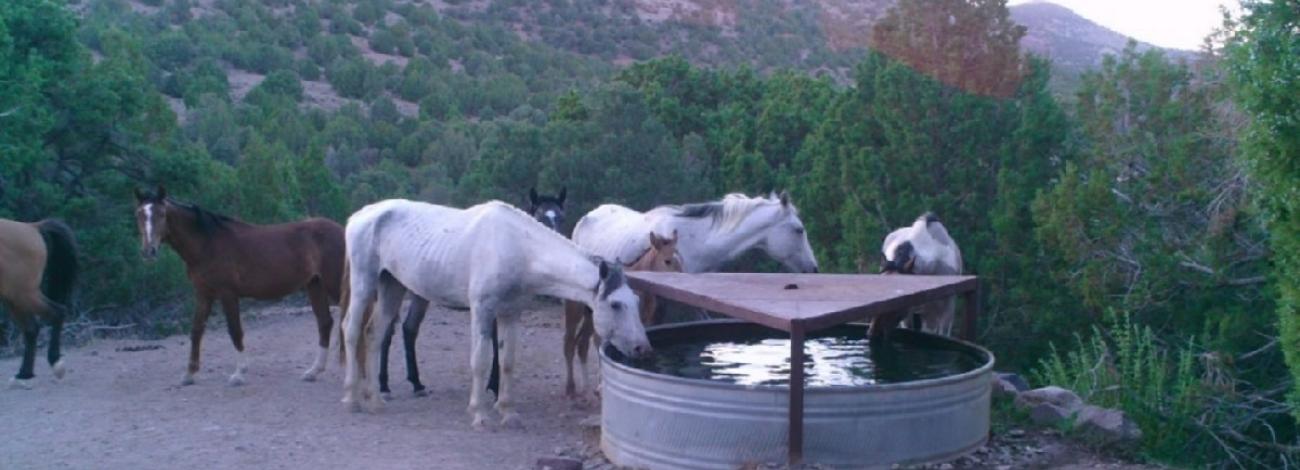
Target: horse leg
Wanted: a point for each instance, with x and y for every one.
(230, 305)
(383, 356)
(481, 320)
(572, 320)
(362, 294)
(54, 355)
(203, 306)
(494, 379)
(320, 305)
(391, 293)
(29, 328)
(586, 336)
(509, 345)
(410, 330)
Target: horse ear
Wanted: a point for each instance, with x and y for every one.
(604, 270)
(532, 197)
(161, 193)
(140, 196)
(655, 241)
(785, 198)
(674, 239)
(563, 195)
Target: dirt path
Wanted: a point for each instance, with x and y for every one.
(121, 406)
(120, 409)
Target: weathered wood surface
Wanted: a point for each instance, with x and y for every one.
(816, 301)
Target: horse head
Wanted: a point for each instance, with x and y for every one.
(662, 255)
(615, 312)
(785, 239)
(549, 210)
(151, 220)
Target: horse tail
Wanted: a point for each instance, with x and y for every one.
(61, 267)
(345, 288)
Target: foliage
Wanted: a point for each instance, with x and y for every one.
(1266, 75)
(1124, 366)
(935, 37)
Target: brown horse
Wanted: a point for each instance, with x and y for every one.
(32, 252)
(578, 330)
(227, 259)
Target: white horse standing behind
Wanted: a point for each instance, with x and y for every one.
(710, 234)
(925, 248)
(488, 257)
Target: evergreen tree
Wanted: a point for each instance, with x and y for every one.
(1267, 79)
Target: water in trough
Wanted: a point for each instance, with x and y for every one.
(836, 357)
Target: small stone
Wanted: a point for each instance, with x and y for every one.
(558, 463)
(1015, 380)
(1004, 389)
(1047, 414)
(590, 422)
(1106, 425)
(1060, 397)
(1016, 433)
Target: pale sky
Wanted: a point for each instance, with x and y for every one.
(1181, 24)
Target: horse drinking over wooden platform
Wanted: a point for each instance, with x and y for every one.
(924, 248)
(711, 234)
(549, 210)
(227, 259)
(489, 257)
(30, 253)
(578, 330)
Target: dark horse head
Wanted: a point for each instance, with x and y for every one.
(547, 209)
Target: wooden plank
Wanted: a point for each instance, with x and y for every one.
(696, 299)
(821, 301)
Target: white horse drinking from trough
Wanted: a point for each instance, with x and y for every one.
(925, 248)
(488, 257)
(710, 234)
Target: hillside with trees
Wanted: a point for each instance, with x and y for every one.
(1136, 240)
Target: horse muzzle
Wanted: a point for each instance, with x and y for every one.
(149, 254)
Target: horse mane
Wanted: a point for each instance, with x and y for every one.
(727, 213)
(207, 222)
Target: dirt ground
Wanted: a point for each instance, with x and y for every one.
(121, 406)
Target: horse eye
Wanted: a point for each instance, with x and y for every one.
(799, 230)
(617, 306)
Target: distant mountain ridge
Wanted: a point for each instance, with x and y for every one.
(1074, 43)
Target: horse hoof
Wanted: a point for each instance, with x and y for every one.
(309, 376)
(480, 423)
(188, 379)
(421, 393)
(236, 380)
(59, 369)
(20, 384)
(351, 405)
(512, 421)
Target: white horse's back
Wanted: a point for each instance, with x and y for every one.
(614, 232)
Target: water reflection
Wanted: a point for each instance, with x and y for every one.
(830, 361)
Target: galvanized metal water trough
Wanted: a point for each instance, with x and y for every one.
(656, 421)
